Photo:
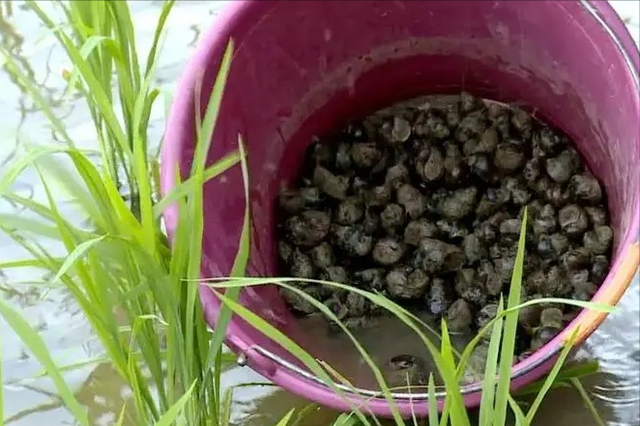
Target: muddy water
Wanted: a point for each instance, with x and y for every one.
(345, 358)
(31, 401)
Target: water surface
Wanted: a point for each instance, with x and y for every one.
(32, 401)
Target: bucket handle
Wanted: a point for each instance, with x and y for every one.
(255, 351)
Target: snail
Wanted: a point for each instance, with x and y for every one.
(423, 203)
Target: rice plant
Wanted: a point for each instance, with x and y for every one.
(138, 292)
(497, 401)
(121, 265)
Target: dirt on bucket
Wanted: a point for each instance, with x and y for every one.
(422, 202)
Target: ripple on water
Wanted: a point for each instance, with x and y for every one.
(616, 345)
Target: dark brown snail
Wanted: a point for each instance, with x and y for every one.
(424, 205)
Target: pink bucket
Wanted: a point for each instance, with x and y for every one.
(302, 68)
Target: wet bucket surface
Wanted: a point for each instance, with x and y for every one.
(304, 68)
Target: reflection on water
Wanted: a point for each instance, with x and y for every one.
(31, 400)
(102, 392)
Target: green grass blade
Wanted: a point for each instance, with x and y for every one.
(335, 374)
(344, 419)
(126, 37)
(102, 101)
(11, 174)
(286, 419)
(187, 186)
(121, 416)
(74, 366)
(225, 407)
(447, 375)
(487, 402)
(414, 419)
(43, 211)
(23, 263)
(204, 133)
(446, 346)
(32, 340)
(244, 247)
(141, 167)
(309, 361)
(30, 225)
(164, 14)
(77, 254)
(586, 399)
(433, 402)
(521, 419)
(136, 388)
(564, 378)
(458, 416)
(303, 414)
(551, 377)
(600, 307)
(510, 326)
(70, 185)
(29, 86)
(593, 306)
(87, 49)
(171, 415)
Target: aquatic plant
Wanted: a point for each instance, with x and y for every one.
(138, 292)
(120, 268)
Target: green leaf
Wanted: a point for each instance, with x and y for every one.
(12, 173)
(551, 377)
(121, 417)
(171, 415)
(74, 366)
(78, 254)
(188, 186)
(433, 402)
(286, 419)
(454, 396)
(30, 87)
(309, 361)
(489, 384)
(87, 48)
(518, 413)
(244, 248)
(586, 399)
(345, 419)
(568, 372)
(32, 340)
(164, 14)
(29, 225)
(510, 327)
(225, 407)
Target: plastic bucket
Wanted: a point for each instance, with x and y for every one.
(303, 68)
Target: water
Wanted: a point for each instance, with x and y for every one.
(31, 401)
(340, 353)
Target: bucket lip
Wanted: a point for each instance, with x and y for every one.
(626, 266)
(170, 153)
(532, 367)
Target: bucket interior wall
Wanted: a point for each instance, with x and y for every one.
(301, 68)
